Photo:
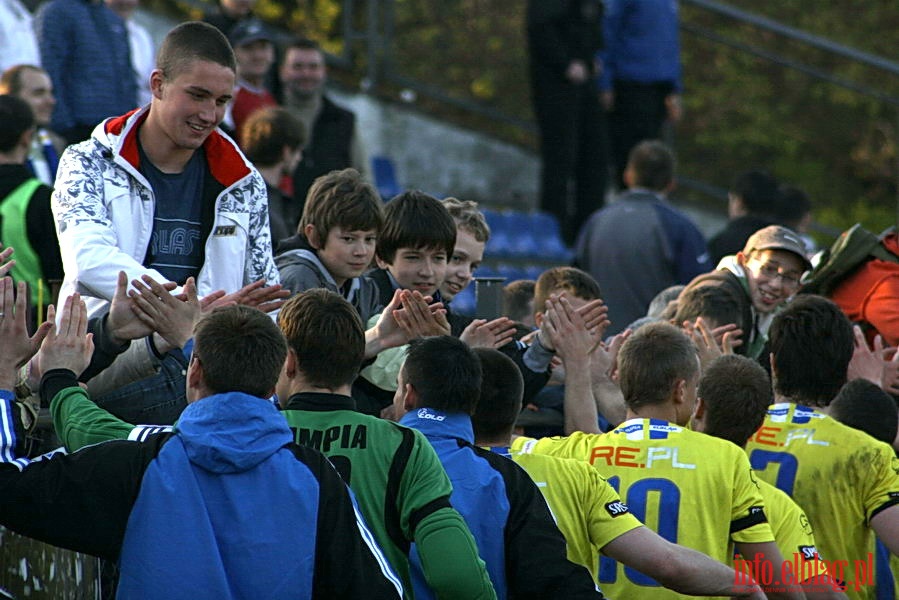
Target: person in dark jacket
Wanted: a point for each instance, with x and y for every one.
(752, 201)
(26, 221)
(563, 38)
(226, 506)
(438, 389)
(333, 140)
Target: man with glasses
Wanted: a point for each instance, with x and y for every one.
(764, 275)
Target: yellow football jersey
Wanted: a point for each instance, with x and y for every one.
(586, 508)
(692, 489)
(793, 533)
(840, 476)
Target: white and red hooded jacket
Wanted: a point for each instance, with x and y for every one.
(104, 210)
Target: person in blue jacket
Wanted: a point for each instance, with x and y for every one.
(438, 389)
(225, 506)
(640, 81)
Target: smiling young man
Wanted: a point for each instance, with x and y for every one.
(762, 277)
(162, 192)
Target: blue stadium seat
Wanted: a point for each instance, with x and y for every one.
(385, 177)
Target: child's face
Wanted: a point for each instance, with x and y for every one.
(421, 269)
(347, 254)
(467, 256)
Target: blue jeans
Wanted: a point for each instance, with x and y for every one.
(155, 400)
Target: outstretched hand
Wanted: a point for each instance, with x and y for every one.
(482, 333)
(172, 318)
(6, 264)
(16, 346)
(68, 345)
(257, 295)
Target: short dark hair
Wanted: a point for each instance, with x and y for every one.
(862, 405)
(793, 205)
(240, 350)
(502, 389)
(414, 219)
(653, 164)
(303, 43)
(758, 190)
(342, 199)
(192, 41)
(517, 298)
(16, 118)
(266, 132)
(711, 302)
(326, 334)
(811, 343)
(11, 79)
(576, 282)
(651, 362)
(445, 372)
(736, 392)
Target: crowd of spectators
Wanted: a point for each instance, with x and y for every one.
(258, 386)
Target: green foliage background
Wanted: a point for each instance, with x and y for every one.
(740, 111)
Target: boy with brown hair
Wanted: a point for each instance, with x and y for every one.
(335, 241)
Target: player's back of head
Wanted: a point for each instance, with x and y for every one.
(736, 393)
(863, 405)
(445, 373)
(240, 349)
(325, 333)
(811, 343)
(502, 388)
(653, 362)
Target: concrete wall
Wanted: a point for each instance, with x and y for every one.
(445, 159)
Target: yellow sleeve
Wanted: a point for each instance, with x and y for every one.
(792, 532)
(578, 445)
(608, 517)
(884, 479)
(747, 522)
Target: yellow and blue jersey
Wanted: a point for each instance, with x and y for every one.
(840, 476)
(692, 489)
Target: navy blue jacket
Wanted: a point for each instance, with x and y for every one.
(226, 506)
(517, 538)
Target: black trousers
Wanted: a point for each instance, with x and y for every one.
(638, 115)
(573, 151)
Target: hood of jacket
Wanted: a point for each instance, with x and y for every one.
(231, 432)
(119, 135)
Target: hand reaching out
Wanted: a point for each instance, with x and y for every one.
(172, 318)
(481, 333)
(68, 345)
(17, 346)
(6, 264)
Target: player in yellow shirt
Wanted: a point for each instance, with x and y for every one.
(589, 512)
(847, 482)
(734, 393)
(690, 488)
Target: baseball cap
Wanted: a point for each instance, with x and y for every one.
(777, 237)
(249, 31)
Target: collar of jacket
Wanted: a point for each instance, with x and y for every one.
(225, 161)
(436, 423)
(320, 402)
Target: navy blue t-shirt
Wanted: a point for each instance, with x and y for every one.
(176, 245)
